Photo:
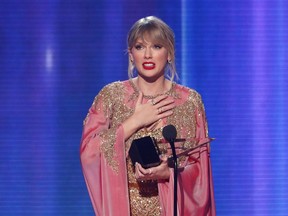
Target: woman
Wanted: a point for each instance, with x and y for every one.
(141, 106)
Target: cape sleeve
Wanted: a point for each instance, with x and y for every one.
(102, 155)
(195, 185)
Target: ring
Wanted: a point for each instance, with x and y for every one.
(153, 102)
(159, 110)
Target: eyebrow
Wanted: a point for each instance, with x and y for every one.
(153, 43)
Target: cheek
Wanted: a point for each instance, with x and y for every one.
(163, 59)
(136, 57)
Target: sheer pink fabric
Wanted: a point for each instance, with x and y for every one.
(107, 189)
(106, 173)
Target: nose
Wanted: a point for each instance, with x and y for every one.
(148, 53)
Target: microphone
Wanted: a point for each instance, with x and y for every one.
(169, 132)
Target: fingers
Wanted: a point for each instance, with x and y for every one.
(152, 110)
(139, 99)
(158, 99)
(159, 172)
(141, 173)
(162, 104)
(143, 170)
(165, 108)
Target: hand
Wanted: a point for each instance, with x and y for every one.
(159, 172)
(146, 114)
(155, 109)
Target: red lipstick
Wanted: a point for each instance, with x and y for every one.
(148, 65)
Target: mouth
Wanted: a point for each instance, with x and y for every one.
(148, 65)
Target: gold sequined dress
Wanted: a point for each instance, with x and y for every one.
(108, 170)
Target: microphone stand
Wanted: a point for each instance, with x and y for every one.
(172, 143)
(170, 133)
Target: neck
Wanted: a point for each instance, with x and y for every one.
(154, 88)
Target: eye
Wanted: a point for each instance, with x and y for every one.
(138, 46)
(157, 46)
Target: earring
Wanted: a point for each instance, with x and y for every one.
(169, 61)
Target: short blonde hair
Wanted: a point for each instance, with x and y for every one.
(159, 32)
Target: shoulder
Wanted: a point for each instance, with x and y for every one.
(189, 95)
(190, 92)
(111, 87)
(108, 92)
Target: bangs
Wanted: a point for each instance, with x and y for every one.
(151, 33)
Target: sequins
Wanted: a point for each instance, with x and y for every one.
(108, 139)
(86, 119)
(116, 102)
(143, 195)
(109, 101)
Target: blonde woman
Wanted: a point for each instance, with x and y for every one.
(141, 106)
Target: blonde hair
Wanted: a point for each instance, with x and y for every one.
(159, 32)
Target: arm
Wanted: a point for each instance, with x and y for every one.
(102, 149)
(102, 155)
(195, 188)
(146, 114)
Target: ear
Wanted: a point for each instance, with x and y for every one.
(169, 58)
(130, 55)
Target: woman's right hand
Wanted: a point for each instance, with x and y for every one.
(147, 113)
(155, 109)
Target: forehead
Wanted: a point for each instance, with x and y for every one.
(144, 41)
(149, 38)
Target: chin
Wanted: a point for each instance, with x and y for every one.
(151, 78)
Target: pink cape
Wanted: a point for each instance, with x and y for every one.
(107, 179)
